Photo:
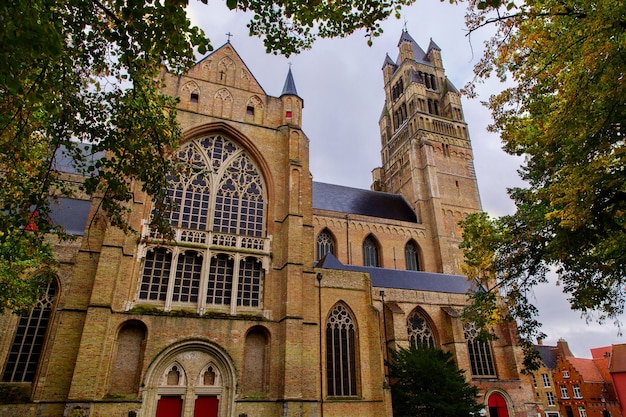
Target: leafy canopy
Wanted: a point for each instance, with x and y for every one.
(426, 382)
(76, 72)
(564, 113)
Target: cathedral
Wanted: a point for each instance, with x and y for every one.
(278, 295)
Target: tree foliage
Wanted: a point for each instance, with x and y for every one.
(78, 72)
(426, 382)
(564, 114)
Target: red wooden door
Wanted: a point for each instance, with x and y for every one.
(497, 406)
(169, 407)
(205, 407)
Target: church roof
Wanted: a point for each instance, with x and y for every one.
(388, 61)
(403, 279)
(363, 202)
(289, 89)
(450, 86)
(433, 45)
(418, 53)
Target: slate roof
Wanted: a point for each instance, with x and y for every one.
(547, 357)
(402, 279)
(289, 89)
(63, 162)
(433, 45)
(71, 214)
(418, 53)
(363, 202)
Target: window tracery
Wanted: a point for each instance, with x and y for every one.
(217, 203)
(420, 333)
(341, 367)
(324, 244)
(29, 338)
(481, 358)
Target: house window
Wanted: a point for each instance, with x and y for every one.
(250, 110)
(194, 97)
(29, 339)
(576, 389)
(551, 399)
(217, 204)
(341, 365)
(324, 244)
(481, 358)
(564, 393)
(546, 380)
(411, 255)
(565, 374)
(582, 412)
(370, 252)
(420, 333)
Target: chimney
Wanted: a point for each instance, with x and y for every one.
(563, 348)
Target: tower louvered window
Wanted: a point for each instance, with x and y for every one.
(217, 209)
(481, 358)
(29, 339)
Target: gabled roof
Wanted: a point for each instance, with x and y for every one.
(547, 357)
(363, 202)
(71, 214)
(402, 279)
(230, 45)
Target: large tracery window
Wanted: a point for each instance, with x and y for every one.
(29, 339)
(341, 366)
(420, 333)
(481, 358)
(217, 208)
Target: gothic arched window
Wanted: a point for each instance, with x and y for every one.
(370, 252)
(217, 203)
(324, 244)
(420, 333)
(29, 339)
(481, 358)
(341, 365)
(411, 255)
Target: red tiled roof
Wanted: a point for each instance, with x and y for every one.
(587, 369)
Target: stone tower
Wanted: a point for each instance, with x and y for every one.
(425, 148)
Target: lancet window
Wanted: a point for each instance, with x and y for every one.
(481, 358)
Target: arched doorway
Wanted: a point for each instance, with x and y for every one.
(192, 379)
(497, 405)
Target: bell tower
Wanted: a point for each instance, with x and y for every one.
(426, 150)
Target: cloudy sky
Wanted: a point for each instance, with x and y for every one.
(341, 83)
